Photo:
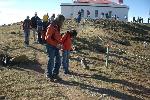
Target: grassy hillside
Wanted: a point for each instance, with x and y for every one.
(127, 76)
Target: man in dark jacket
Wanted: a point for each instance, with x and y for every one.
(34, 20)
(26, 29)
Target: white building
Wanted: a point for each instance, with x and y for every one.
(95, 10)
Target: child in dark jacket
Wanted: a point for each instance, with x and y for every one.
(66, 47)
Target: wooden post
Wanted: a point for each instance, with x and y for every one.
(107, 56)
(145, 44)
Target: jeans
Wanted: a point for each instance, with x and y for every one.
(54, 61)
(65, 62)
(34, 33)
(39, 30)
(26, 36)
(45, 24)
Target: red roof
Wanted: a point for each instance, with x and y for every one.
(94, 1)
(120, 1)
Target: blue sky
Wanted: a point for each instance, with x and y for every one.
(139, 8)
(17, 10)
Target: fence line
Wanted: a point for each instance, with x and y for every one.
(111, 46)
(141, 57)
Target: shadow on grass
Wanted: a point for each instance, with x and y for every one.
(81, 75)
(141, 89)
(2, 97)
(27, 65)
(109, 92)
(33, 65)
(135, 89)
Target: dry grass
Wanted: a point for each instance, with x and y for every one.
(127, 77)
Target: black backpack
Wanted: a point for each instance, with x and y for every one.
(26, 24)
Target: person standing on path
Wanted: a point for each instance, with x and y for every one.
(34, 20)
(53, 45)
(26, 29)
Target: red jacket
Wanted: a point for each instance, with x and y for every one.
(53, 36)
(67, 42)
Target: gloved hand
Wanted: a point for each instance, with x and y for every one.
(73, 48)
(59, 46)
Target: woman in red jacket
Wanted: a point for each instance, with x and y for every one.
(66, 47)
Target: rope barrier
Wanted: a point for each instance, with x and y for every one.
(110, 46)
(141, 57)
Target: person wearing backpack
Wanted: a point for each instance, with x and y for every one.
(39, 30)
(26, 29)
(66, 48)
(53, 45)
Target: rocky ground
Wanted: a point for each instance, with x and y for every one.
(126, 77)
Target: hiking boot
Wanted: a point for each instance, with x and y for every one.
(67, 72)
(57, 77)
(49, 77)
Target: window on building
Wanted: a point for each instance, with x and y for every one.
(96, 13)
(82, 13)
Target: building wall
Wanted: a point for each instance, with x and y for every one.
(119, 11)
(67, 10)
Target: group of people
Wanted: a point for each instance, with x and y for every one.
(37, 25)
(54, 42)
(139, 20)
